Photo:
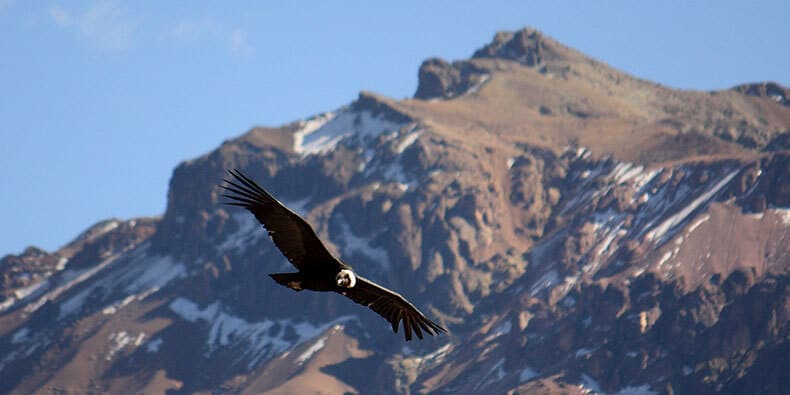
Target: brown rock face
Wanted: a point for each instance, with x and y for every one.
(26, 269)
(439, 79)
(526, 46)
(769, 90)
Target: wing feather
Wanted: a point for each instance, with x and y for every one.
(393, 307)
(416, 327)
(292, 235)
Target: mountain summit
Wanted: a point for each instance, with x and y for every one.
(576, 229)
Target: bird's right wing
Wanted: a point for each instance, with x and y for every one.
(290, 233)
(393, 307)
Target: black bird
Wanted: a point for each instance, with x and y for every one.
(318, 269)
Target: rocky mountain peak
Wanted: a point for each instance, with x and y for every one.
(380, 107)
(771, 90)
(527, 46)
(440, 79)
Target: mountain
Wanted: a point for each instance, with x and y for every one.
(576, 229)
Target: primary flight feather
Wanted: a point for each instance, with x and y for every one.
(318, 269)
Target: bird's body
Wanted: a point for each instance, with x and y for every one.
(318, 269)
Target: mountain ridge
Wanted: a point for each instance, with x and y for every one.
(562, 219)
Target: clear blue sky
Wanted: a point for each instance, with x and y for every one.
(101, 99)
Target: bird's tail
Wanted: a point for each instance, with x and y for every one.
(290, 280)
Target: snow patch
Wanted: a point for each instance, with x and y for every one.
(665, 258)
(624, 171)
(22, 351)
(154, 345)
(439, 353)
(68, 281)
(603, 247)
(153, 272)
(309, 126)
(501, 329)
(659, 231)
(697, 223)
(6, 304)
(248, 232)
(119, 340)
(407, 141)
(527, 374)
(307, 354)
(256, 340)
(546, 281)
(581, 152)
(20, 336)
(113, 308)
(323, 132)
(110, 225)
(583, 352)
(495, 374)
(394, 172)
(74, 303)
(756, 215)
(784, 213)
(589, 385)
(355, 244)
(602, 219)
(436, 356)
(474, 88)
(640, 390)
(61, 263)
(643, 178)
(99, 230)
(31, 289)
(138, 277)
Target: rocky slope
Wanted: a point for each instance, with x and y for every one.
(576, 229)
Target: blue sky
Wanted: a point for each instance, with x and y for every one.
(101, 99)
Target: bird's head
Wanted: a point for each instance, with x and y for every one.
(346, 279)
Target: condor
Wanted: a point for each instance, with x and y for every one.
(318, 269)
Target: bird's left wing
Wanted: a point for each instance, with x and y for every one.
(291, 233)
(393, 307)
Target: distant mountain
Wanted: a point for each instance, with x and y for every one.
(578, 230)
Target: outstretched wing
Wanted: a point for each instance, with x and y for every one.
(290, 233)
(393, 307)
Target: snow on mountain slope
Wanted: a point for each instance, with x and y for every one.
(323, 132)
(259, 340)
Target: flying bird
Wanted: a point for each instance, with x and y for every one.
(318, 269)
